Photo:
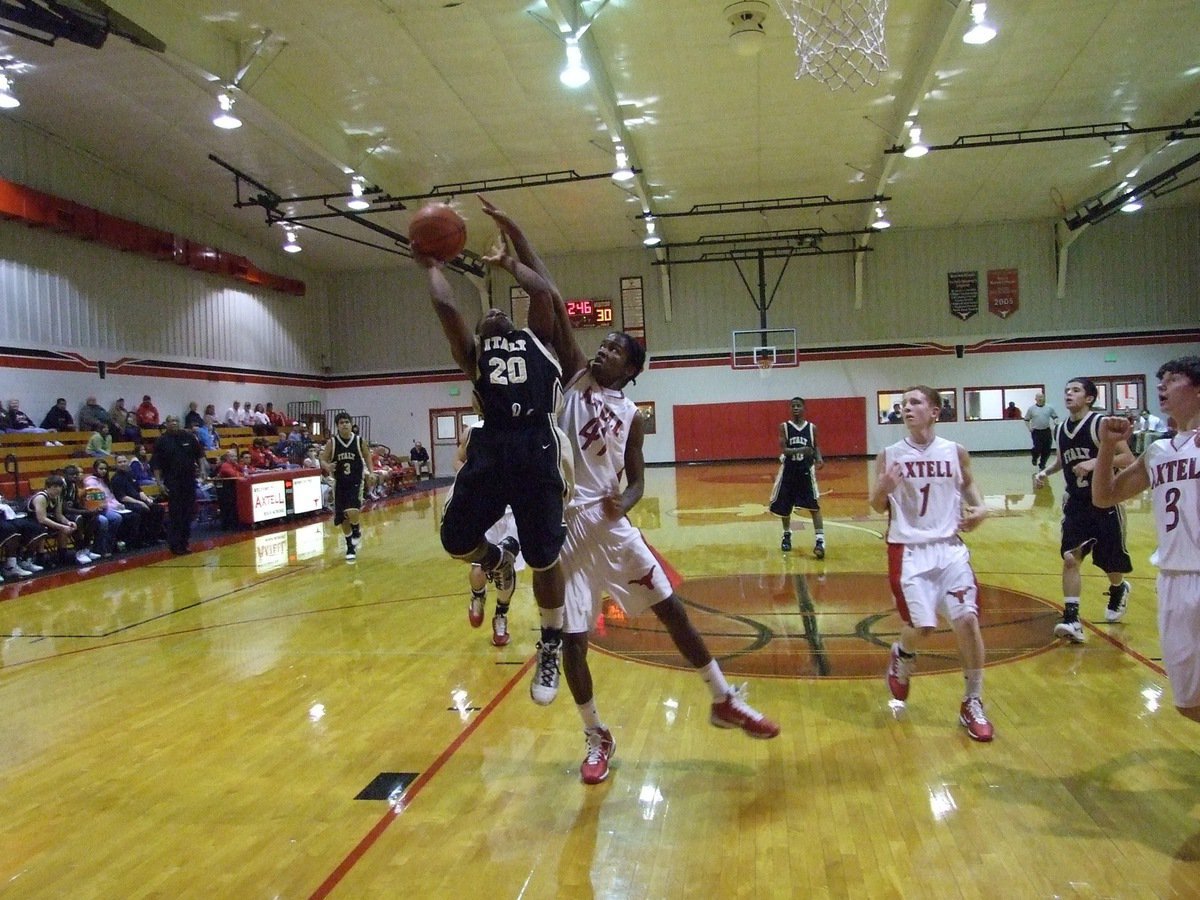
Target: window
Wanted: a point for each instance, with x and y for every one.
(1120, 393)
(991, 404)
(887, 406)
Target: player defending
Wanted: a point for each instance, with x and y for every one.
(519, 457)
(603, 551)
(921, 482)
(1085, 528)
(796, 483)
(1171, 471)
(345, 457)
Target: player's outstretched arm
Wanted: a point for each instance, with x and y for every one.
(516, 236)
(621, 502)
(454, 326)
(1109, 487)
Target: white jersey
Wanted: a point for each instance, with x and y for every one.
(596, 421)
(1174, 470)
(927, 504)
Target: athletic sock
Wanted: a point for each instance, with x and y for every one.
(974, 680)
(551, 619)
(502, 609)
(715, 679)
(591, 718)
(481, 593)
(1071, 609)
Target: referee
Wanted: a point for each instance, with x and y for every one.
(175, 463)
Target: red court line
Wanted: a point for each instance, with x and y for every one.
(410, 795)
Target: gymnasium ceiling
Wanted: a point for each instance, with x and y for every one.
(418, 95)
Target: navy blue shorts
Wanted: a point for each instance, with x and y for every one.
(1100, 532)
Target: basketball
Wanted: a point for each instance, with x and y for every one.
(438, 231)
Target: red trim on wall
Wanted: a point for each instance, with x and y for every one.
(750, 430)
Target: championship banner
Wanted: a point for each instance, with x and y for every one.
(1003, 292)
(964, 294)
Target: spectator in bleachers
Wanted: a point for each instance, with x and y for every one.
(48, 509)
(146, 413)
(205, 435)
(262, 457)
(233, 415)
(94, 417)
(16, 420)
(146, 529)
(59, 418)
(139, 467)
(86, 525)
(20, 553)
(192, 416)
(111, 530)
(276, 420)
(258, 420)
(99, 444)
(247, 414)
(210, 416)
(123, 426)
(226, 478)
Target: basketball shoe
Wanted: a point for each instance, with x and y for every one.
(600, 749)
(1070, 627)
(1118, 600)
(351, 550)
(544, 687)
(499, 629)
(899, 671)
(735, 712)
(971, 716)
(503, 575)
(475, 607)
(819, 548)
(786, 544)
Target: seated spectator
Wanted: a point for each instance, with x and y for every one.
(87, 524)
(205, 435)
(139, 467)
(262, 457)
(94, 417)
(146, 413)
(16, 420)
(192, 416)
(21, 541)
(147, 528)
(275, 419)
(210, 416)
(419, 457)
(234, 415)
(258, 420)
(110, 513)
(226, 476)
(124, 426)
(246, 463)
(59, 418)
(99, 444)
(48, 510)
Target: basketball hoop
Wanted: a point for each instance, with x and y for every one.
(838, 42)
(764, 358)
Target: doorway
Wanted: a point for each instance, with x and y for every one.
(445, 425)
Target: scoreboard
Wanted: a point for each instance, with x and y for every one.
(590, 313)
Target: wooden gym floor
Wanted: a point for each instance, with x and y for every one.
(205, 726)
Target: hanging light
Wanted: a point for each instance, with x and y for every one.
(622, 173)
(225, 117)
(1132, 206)
(915, 149)
(651, 239)
(574, 75)
(881, 220)
(8, 99)
(291, 245)
(357, 201)
(981, 32)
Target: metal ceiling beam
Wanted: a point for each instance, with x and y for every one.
(815, 201)
(1100, 211)
(763, 253)
(1177, 131)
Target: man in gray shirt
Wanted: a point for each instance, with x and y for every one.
(1041, 420)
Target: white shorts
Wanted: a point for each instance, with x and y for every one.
(1179, 634)
(600, 557)
(506, 526)
(932, 579)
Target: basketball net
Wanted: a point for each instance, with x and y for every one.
(838, 42)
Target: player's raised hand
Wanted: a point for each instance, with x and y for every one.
(1115, 428)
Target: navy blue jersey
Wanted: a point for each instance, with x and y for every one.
(799, 436)
(1078, 442)
(349, 461)
(517, 381)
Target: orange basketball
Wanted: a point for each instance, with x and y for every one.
(438, 231)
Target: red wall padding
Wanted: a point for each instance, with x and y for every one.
(707, 431)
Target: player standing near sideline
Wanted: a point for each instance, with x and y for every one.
(796, 483)
(345, 457)
(603, 551)
(519, 457)
(1086, 529)
(1170, 469)
(921, 482)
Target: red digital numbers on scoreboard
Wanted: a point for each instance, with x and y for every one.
(590, 313)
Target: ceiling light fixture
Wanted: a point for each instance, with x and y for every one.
(915, 149)
(651, 239)
(357, 201)
(574, 75)
(622, 173)
(881, 220)
(291, 245)
(225, 117)
(1132, 206)
(981, 32)
(745, 18)
(8, 99)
